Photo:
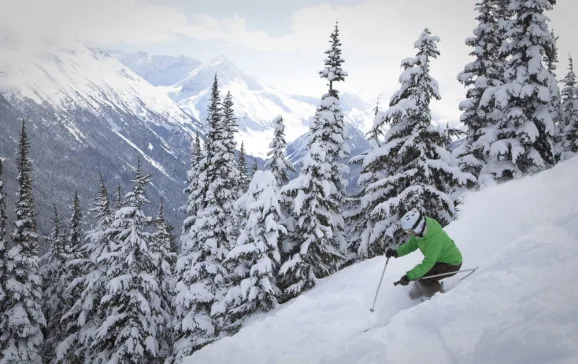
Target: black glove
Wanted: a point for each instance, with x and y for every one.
(391, 253)
(404, 281)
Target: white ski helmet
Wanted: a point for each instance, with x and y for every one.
(413, 220)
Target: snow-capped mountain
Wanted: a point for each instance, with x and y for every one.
(88, 114)
(158, 70)
(256, 104)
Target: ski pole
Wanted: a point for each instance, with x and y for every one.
(442, 274)
(379, 286)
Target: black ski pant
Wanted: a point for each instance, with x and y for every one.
(433, 285)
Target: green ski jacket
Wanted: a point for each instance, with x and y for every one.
(436, 246)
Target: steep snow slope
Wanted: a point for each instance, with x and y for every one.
(79, 77)
(519, 307)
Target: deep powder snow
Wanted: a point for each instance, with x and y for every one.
(518, 307)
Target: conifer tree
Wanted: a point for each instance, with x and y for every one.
(135, 328)
(255, 168)
(193, 190)
(278, 163)
(22, 320)
(229, 173)
(162, 242)
(256, 256)
(363, 243)
(318, 192)
(330, 118)
(569, 114)
(56, 301)
(83, 318)
(200, 272)
(524, 140)
(485, 72)
(76, 235)
(118, 199)
(230, 170)
(3, 249)
(280, 166)
(419, 171)
(243, 174)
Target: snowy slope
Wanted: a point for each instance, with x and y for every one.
(79, 77)
(519, 307)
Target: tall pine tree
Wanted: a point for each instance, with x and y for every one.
(256, 256)
(277, 162)
(363, 241)
(193, 190)
(3, 249)
(84, 317)
(569, 114)
(56, 300)
(22, 320)
(419, 171)
(524, 140)
(280, 166)
(162, 242)
(135, 311)
(243, 174)
(485, 72)
(318, 192)
(204, 243)
(330, 118)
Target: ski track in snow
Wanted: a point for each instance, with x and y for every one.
(518, 307)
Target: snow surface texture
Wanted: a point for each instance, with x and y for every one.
(518, 307)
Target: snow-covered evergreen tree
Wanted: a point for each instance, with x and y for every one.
(162, 241)
(256, 256)
(22, 320)
(136, 318)
(243, 174)
(362, 242)
(277, 161)
(280, 166)
(524, 140)
(83, 318)
(230, 169)
(569, 117)
(3, 249)
(193, 190)
(229, 172)
(76, 235)
(485, 72)
(56, 301)
(204, 244)
(318, 192)
(118, 198)
(330, 119)
(419, 171)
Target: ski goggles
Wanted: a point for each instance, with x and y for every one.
(411, 231)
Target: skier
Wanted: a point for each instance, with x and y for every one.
(441, 255)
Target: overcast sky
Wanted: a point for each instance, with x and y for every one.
(282, 41)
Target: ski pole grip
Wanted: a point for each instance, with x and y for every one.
(396, 283)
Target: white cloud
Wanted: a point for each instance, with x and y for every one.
(99, 22)
(376, 35)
